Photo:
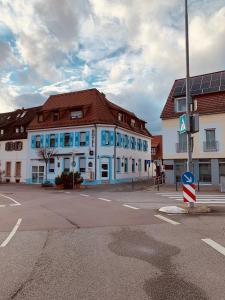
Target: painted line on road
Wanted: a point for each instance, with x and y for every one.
(215, 245)
(15, 228)
(84, 195)
(13, 200)
(104, 199)
(129, 206)
(167, 220)
(2, 205)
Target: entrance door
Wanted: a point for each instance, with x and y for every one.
(104, 169)
(38, 174)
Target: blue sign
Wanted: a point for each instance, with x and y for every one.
(188, 178)
(183, 122)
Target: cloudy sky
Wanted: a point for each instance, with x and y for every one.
(131, 50)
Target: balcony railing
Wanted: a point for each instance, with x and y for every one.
(182, 148)
(212, 146)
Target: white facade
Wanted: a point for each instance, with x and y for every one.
(98, 155)
(13, 162)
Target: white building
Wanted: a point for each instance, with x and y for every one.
(13, 144)
(107, 142)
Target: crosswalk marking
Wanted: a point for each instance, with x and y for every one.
(201, 199)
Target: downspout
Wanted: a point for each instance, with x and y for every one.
(96, 148)
(115, 152)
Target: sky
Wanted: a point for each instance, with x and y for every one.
(131, 50)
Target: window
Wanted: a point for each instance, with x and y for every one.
(83, 139)
(180, 105)
(118, 139)
(82, 164)
(180, 166)
(21, 129)
(17, 130)
(9, 146)
(18, 169)
(40, 118)
(133, 165)
(182, 142)
(210, 136)
(66, 165)
(52, 165)
(126, 141)
(18, 146)
(55, 116)
(153, 151)
(118, 165)
(2, 131)
(132, 143)
(66, 139)
(126, 165)
(132, 122)
(38, 174)
(107, 137)
(140, 165)
(145, 146)
(76, 114)
(8, 169)
(120, 117)
(221, 167)
(52, 140)
(205, 171)
(38, 141)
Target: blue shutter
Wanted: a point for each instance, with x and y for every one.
(71, 139)
(146, 145)
(141, 145)
(47, 140)
(87, 138)
(77, 139)
(33, 141)
(120, 140)
(135, 143)
(42, 141)
(62, 140)
(103, 137)
(111, 138)
(128, 142)
(56, 140)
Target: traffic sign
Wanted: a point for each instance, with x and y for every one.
(188, 178)
(189, 195)
(183, 123)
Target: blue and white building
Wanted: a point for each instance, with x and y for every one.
(106, 142)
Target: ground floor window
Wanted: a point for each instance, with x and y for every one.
(82, 164)
(222, 167)
(126, 165)
(52, 165)
(133, 165)
(118, 164)
(18, 169)
(180, 166)
(140, 165)
(66, 165)
(38, 174)
(8, 169)
(205, 171)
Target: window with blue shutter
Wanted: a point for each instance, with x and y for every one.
(77, 139)
(103, 137)
(33, 141)
(56, 140)
(71, 139)
(135, 143)
(62, 140)
(118, 165)
(87, 138)
(128, 142)
(111, 138)
(42, 141)
(47, 140)
(141, 145)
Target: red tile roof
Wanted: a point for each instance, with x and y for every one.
(157, 142)
(207, 102)
(97, 110)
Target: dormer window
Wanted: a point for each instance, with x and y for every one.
(120, 117)
(76, 114)
(180, 104)
(23, 114)
(2, 131)
(17, 130)
(132, 122)
(40, 118)
(9, 117)
(55, 116)
(21, 129)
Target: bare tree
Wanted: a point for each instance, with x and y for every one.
(46, 154)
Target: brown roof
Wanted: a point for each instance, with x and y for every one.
(210, 100)
(157, 142)
(17, 118)
(97, 109)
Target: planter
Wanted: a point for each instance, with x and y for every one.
(59, 186)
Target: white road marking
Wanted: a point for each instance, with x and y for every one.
(215, 246)
(84, 195)
(133, 207)
(2, 205)
(13, 200)
(167, 220)
(7, 240)
(104, 199)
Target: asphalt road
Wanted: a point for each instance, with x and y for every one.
(103, 245)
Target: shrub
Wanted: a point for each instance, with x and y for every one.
(67, 179)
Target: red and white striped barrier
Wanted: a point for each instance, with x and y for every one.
(189, 194)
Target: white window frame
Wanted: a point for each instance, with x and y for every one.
(177, 100)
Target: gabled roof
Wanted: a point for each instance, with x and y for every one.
(17, 118)
(98, 110)
(207, 89)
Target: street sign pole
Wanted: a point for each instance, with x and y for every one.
(188, 98)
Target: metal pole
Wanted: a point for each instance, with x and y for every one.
(188, 97)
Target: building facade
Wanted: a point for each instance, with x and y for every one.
(157, 155)
(13, 144)
(91, 135)
(208, 145)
